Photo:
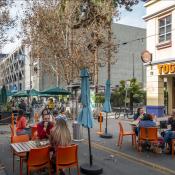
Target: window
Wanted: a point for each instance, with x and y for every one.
(165, 29)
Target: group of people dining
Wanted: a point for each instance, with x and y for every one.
(53, 127)
(141, 119)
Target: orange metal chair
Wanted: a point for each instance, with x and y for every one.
(148, 134)
(173, 144)
(67, 157)
(123, 133)
(22, 156)
(13, 132)
(38, 159)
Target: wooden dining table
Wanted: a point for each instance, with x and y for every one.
(25, 147)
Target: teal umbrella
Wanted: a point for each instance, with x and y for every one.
(107, 104)
(10, 93)
(85, 119)
(56, 91)
(3, 95)
(27, 93)
(107, 108)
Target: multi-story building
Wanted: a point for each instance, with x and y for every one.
(12, 69)
(160, 17)
(131, 43)
(18, 72)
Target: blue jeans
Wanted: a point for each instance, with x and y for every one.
(25, 131)
(169, 135)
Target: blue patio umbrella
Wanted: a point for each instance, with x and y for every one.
(107, 108)
(85, 119)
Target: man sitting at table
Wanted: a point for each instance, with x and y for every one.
(44, 127)
(170, 134)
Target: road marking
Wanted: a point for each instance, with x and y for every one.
(137, 160)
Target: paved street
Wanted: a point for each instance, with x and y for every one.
(106, 154)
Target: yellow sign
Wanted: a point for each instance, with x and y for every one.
(166, 68)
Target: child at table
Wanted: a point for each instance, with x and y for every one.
(59, 136)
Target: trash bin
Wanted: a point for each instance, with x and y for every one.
(77, 131)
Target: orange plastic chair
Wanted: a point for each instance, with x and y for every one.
(173, 144)
(38, 159)
(67, 157)
(149, 135)
(13, 132)
(123, 133)
(22, 156)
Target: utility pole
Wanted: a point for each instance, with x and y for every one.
(133, 66)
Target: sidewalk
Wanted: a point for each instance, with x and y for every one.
(159, 160)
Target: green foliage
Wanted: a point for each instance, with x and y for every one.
(7, 107)
(135, 94)
(99, 98)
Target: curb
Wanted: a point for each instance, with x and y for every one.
(135, 159)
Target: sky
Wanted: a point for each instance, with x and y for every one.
(133, 18)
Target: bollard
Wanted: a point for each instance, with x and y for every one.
(36, 117)
(100, 120)
(12, 120)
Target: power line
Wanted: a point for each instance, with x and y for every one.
(138, 39)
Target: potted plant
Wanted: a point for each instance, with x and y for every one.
(6, 112)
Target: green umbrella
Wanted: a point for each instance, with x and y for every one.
(56, 91)
(27, 93)
(3, 95)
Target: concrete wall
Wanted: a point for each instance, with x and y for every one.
(128, 54)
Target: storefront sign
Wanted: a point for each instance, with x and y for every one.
(166, 69)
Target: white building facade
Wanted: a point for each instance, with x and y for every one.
(14, 70)
(160, 20)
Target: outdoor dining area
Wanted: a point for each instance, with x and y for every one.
(149, 134)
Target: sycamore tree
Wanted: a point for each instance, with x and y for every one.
(6, 21)
(67, 35)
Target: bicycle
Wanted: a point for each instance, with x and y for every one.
(118, 111)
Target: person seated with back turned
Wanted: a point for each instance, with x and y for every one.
(44, 127)
(21, 124)
(147, 122)
(59, 136)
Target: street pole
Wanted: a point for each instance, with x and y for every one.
(133, 67)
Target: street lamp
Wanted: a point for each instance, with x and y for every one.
(127, 85)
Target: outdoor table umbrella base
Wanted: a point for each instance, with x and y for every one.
(106, 135)
(90, 169)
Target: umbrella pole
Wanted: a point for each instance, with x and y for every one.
(106, 129)
(90, 153)
(90, 168)
(106, 134)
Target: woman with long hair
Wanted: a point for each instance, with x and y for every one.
(59, 136)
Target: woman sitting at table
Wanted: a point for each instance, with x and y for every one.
(60, 136)
(21, 124)
(44, 127)
(140, 114)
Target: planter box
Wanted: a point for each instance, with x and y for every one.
(5, 117)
